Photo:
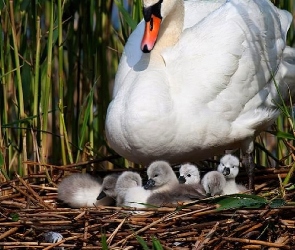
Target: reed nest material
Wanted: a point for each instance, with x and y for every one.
(29, 209)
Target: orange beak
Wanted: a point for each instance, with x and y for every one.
(150, 35)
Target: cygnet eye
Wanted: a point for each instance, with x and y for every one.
(156, 175)
(189, 175)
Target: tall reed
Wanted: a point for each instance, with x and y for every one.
(58, 62)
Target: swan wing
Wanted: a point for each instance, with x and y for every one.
(228, 60)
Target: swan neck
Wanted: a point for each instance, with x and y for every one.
(171, 27)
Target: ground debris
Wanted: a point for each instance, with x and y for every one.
(30, 210)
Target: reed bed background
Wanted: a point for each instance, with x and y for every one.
(58, 61)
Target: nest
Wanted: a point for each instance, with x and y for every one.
(29, 210)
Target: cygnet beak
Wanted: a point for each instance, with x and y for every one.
(226, 171)
(101, 195)
(150, 184)
(181, 179)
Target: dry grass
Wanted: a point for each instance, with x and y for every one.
(29, 209)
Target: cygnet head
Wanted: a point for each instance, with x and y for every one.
(229, 166)
(160, 176)
(189, 174)
(108, 186)
(213, 183)
(126, 181)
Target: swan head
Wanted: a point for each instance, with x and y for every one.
(160, 174)
(189, 174)
(229, 166)
(154, 11)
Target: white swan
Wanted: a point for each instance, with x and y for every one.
(189, 174)
(229, 167)
(203, 89)
(81, 190)
(130, 191)
(213, 182)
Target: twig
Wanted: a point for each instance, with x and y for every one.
(9, 232)
(257, 242)
(109, 240)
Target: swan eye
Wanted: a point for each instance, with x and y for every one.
(189, 175)
(155, 175)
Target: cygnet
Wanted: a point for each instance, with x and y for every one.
(161, 177)
(108, 186)
(213, 182)
(229, 167)
(81, 190)
(189, 174)
(129, 190)
(165, 187)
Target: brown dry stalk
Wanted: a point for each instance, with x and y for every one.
(33, 193)
(201, 244)
(60, 242)
(257, 242)
(253, 228)
(144, 228)
(9, 232)
(109, 240)
(24, 193)
(281, 240)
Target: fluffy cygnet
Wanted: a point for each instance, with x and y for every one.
(108, 186)
(161, 177)
(165, 187)
(213, 183)
(81, 190)
(189, 174)
(129, 190)
(229, 167)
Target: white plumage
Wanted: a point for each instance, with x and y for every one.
(166, 189)
(229, 167)
(214, 182)
(129, 190)
(81, 190)
(189, 174)
(207, 86)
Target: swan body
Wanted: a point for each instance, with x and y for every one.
(213, 182)
(189, 174)
(229, 167)
(165, 188)
(81, 190)
(207, 84)
(129, 190)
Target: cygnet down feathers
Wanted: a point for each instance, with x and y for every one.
(81, 190)
(229, 167)
(108, 186)
(165, 187)
(129, 190)
(213, 183)
(189, 174)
